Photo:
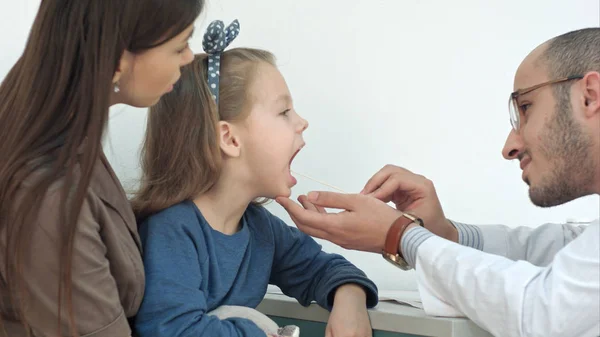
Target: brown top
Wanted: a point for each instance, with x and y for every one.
(108, 275)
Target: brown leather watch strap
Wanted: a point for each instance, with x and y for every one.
(394, 234)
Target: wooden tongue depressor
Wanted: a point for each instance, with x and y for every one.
(318, 181)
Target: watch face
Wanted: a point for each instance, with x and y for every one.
(397, 261)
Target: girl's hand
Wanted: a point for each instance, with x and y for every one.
(349, 316)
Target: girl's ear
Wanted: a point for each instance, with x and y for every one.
(228, 140)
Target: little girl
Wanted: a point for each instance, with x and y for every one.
(224, 137)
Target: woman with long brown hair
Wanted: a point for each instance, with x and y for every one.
(70, 259)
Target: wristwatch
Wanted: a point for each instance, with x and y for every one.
(391, 250)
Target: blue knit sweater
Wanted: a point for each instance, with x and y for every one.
(192, 269)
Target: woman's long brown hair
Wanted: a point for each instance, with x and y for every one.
(53, 100)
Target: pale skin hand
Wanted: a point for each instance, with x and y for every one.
(367, 218)
(362, 226)
(413, 194)
(349, 316)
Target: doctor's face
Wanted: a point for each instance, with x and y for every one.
(554, 151)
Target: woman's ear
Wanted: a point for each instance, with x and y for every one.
(228, 139)
(124, 65)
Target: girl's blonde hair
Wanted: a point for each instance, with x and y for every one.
(181, 157)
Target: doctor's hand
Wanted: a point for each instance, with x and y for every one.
(363, 225)
(413, 194)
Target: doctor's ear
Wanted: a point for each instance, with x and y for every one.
(591, 93)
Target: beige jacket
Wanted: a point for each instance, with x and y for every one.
(108, 275)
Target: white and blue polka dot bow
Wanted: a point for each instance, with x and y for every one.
(215, 40)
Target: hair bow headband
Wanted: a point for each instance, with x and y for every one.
(215, 40)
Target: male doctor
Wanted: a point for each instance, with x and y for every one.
(512, 282)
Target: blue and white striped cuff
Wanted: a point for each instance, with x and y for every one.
(469, 235)
(411, 240)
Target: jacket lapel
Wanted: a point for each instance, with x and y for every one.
(108, 188)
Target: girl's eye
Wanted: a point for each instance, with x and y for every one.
(285, 112)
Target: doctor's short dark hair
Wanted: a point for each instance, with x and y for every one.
(573, 53)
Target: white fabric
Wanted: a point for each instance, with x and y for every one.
(517, 298)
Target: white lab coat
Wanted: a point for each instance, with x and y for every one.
(524, 282)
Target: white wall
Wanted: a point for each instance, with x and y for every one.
(421, 84)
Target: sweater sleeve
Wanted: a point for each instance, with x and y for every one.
(173, 303)
(303, 271)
